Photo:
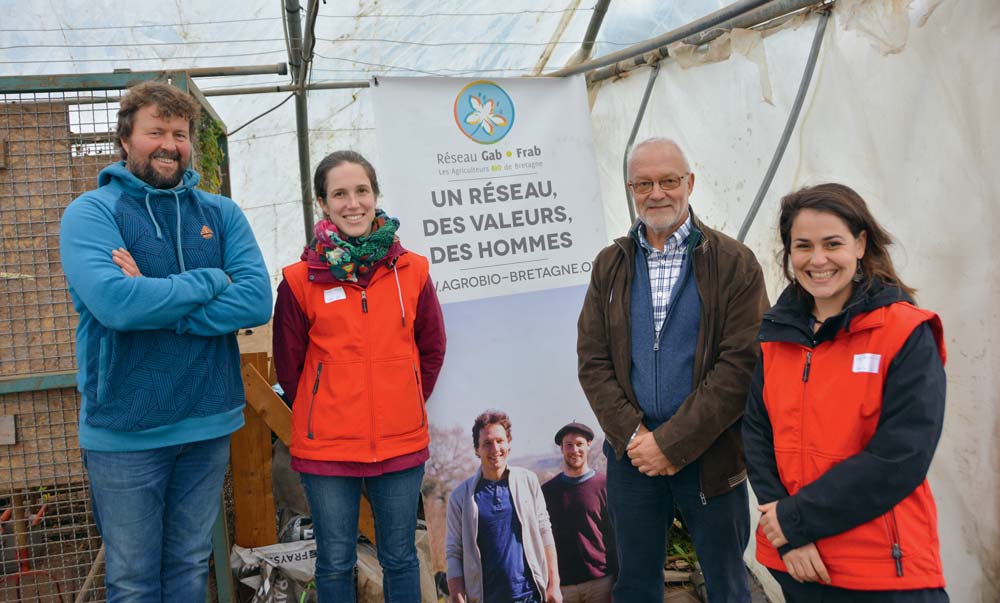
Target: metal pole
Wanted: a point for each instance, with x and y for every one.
(286, 88)
(631, 138)
(587, 46)
(710, 20)
(277, 68)
(600, 9)
(291, 8)
(121, 78)
(793, 118)
(768, 12)
(308, 42)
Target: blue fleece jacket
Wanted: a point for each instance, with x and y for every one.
(157, 358)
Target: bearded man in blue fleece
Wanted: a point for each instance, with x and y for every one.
(162, 275)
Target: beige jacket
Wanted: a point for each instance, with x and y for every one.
(461, 551)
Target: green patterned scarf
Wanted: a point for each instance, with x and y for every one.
(355, 255)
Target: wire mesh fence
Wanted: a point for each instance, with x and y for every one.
(48, 540)
(52, 146)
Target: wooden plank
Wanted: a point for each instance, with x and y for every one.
(269, 406)
(253, 498)
(40, 381)
(19, 507)
(366, 520)
(8, 435)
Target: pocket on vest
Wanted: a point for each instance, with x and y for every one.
(399, 405)
(339, 409)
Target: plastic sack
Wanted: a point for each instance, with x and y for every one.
(278, 573)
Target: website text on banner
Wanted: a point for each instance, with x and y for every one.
(494, 181)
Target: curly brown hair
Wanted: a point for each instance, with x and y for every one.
(168, 100)
(490, 417)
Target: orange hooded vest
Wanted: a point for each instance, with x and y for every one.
(359, 398)
(824, 405)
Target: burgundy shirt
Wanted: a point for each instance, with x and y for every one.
(581, 526)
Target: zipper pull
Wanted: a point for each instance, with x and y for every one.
(805, 371)
(309, 424)
(364, 302)
(897, 554)
(319, 370)
(702, 496)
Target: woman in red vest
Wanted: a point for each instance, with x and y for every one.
(358, 343)
(844, 413)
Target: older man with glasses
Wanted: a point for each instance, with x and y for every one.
(666, 346)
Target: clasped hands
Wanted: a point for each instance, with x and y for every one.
(804, 563)
(646, 455)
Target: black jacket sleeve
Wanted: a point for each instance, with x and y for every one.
(758, 443)
(895, 461)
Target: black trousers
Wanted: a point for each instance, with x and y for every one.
(814, 592)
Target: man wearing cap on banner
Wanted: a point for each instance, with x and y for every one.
(577, 501)
(666, 346)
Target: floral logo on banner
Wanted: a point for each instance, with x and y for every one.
(484, 112)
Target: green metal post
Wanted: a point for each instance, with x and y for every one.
(220, 552)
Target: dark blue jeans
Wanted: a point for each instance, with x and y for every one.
(813, 592)
(642, 510)
(155, 510)
(334, 502)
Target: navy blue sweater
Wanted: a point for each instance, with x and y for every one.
(662, 371)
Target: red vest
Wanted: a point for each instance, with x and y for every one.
(828, 414)
(359, 397)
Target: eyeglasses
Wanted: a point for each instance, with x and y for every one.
(644, 187)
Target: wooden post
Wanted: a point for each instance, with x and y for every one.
(253, 497)
(20, 513)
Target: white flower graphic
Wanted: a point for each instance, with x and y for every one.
(482, 114)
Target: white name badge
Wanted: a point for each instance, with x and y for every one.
(867, 363)
(335, 294)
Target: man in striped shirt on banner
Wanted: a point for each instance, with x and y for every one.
(666, 346)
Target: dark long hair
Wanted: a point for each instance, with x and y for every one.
(843, 202)
(333, 160)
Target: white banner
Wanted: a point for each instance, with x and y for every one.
(494, 181)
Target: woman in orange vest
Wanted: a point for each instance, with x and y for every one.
(844, 413)
(358, 343)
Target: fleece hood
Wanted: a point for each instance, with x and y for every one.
(119, 174)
